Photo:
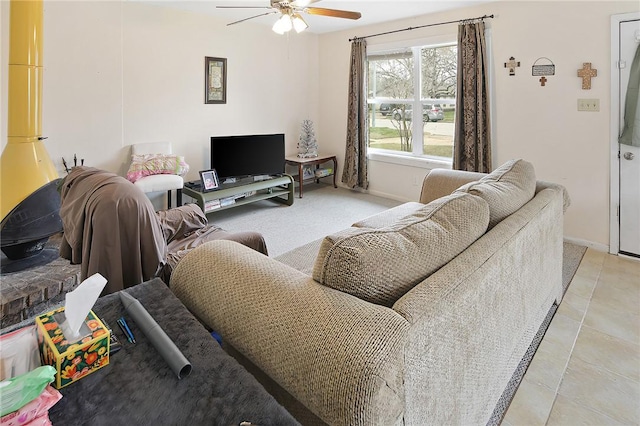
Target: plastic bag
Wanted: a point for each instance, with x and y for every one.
(36, 412)
(18, 391)
(19, 352)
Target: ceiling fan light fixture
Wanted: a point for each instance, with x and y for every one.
(299, 24)
(291, 11)
(283, 24)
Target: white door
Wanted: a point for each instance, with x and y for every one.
(629, 154)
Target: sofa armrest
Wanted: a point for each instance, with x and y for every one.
(566, 200)
(441, 182)
(340, 356)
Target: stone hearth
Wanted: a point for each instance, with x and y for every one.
(32, 291)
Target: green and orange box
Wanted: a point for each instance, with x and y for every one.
(72, 360)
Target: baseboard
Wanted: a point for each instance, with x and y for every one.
(387, 195)
(590, 244)
(376, 193)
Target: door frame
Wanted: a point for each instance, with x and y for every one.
(614, 182)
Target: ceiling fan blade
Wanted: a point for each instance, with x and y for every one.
(243, 7)
(302, 3)
(251, 17)
(334, 13)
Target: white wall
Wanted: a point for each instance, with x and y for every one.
(540, 124)
(118, 73)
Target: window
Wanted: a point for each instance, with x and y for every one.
(411, 100)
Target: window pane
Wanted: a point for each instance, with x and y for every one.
(391, 92)
(390, 126)
(394, 104)
(439, 124)
(438, 86)
(391, 75)
(439, 72)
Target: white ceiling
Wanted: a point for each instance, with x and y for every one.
(373, 11)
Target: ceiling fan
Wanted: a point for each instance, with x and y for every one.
(291, 11)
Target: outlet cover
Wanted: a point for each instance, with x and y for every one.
(592, 105)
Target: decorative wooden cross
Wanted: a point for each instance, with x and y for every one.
(586, 73)
(543, 80)
(512, 64)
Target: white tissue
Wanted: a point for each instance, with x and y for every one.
(79, 302)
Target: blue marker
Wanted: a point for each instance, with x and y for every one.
(124, 322)
(127, 330)
(124, 331)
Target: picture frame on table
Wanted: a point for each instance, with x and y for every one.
(215, 80)
(209, 180)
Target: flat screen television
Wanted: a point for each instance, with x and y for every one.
(247, 155)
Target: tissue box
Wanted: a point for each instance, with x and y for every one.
(72, 360)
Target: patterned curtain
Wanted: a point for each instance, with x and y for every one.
(355, 173)
(472, 140)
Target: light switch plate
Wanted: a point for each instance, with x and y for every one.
(592, 105)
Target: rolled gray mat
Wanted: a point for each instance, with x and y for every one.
(156, 335)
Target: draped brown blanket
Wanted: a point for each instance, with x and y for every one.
(111, 228)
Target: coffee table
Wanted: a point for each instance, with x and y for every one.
(138, 387)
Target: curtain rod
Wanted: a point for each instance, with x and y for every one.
(423, 26)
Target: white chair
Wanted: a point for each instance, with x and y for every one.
(160, 182)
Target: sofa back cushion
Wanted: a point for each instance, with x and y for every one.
(506, 189)
(380, 265)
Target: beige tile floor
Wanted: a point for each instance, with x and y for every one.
(587, 368)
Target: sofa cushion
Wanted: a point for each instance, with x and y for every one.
(380, 265)
(389, 216)
(506, 189)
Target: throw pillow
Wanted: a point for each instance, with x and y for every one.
(380, 265)
(506, 189)
(154, 164)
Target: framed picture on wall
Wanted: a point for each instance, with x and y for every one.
(209, 180)
(215, 80)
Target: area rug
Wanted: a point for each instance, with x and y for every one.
(571, 258)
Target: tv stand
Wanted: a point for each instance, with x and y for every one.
(242, 191)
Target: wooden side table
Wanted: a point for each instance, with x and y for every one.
(301, 163)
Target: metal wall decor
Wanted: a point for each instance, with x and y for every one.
(586, 73)
(543, 70)
(512, 64)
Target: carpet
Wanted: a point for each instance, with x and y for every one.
(323, 210)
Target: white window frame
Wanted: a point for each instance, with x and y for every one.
(416, 158)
